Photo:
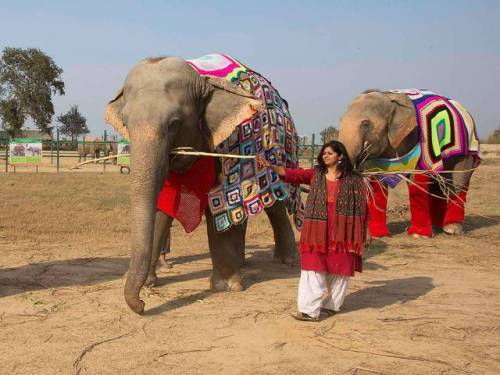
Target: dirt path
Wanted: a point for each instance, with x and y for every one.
(428, 306)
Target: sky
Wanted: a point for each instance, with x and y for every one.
(318, 54)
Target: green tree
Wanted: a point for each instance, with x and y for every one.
(12, 116)
(28, 79)
(73, 123)
(329, 134)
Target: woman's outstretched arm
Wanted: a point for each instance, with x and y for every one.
(291, 175)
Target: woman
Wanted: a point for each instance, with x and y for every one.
(334, 230)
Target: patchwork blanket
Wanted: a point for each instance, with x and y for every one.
(446, 129)
(246, 190)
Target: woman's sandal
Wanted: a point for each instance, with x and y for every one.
(327, 312)
(305, 318)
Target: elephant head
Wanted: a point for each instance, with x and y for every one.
(378, 124)
(165, 104)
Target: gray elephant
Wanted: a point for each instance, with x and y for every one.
(92, 146)
(19, 150)
(414, 130)
(165, 103)
(34, 150)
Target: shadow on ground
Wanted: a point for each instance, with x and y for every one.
(259, 267)
(388, 292)
(473, 222)
(57, 274)
(378, 246)
(82, 271)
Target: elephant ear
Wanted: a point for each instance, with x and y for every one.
(113, 114)
(227, 106)
(402, 120)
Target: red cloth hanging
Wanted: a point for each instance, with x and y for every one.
(184, 196)
(377, 209)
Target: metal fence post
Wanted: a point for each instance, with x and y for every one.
(7, 156)
(313, 149)
(105, 150)
(58, 146)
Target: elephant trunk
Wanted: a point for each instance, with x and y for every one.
(353, 144)
(149, 166)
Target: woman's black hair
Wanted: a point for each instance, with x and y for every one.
(344, 165)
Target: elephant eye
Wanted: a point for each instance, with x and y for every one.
(365, 125)
(174, 125)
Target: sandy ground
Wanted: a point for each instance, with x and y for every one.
(420, 307)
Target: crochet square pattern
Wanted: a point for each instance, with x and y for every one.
(245, 189)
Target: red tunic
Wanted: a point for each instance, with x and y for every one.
(184, 196)
(333, 261)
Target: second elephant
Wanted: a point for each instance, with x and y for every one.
(414, 130)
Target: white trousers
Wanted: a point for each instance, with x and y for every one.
(320, 289)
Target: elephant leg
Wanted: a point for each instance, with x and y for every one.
(226, 250)
(437, 205)
(285, 249)
(421, 222)
(455, 213)
(455, 208)
(377, 208)
(163, 223)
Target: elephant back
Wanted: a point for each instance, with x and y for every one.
(245, 189)
(446, 129)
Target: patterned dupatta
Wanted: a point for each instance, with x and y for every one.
(349, 220)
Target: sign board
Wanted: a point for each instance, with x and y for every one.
(123, 148)
(25, 151)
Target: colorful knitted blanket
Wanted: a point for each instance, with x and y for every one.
(246, 190)
(446, 129)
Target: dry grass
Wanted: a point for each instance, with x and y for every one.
(428, 306)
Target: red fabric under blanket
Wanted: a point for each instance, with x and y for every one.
(184, 195)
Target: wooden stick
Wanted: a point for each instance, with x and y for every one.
(213, 154)
(99, 159)
(180, 151)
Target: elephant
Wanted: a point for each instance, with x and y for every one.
(93, 146)
(414, 130)
(34, 150)
(19, 150)
(165, 104)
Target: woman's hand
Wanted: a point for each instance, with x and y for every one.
(262, 162)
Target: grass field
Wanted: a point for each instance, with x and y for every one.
(420, 306)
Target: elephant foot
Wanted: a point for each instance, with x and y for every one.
(235, 287)
(152, 280)
(454, 228)
(233, 284)
(288, 260)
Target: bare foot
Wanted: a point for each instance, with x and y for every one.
(163, 263)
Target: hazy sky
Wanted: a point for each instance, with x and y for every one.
(318, 54)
